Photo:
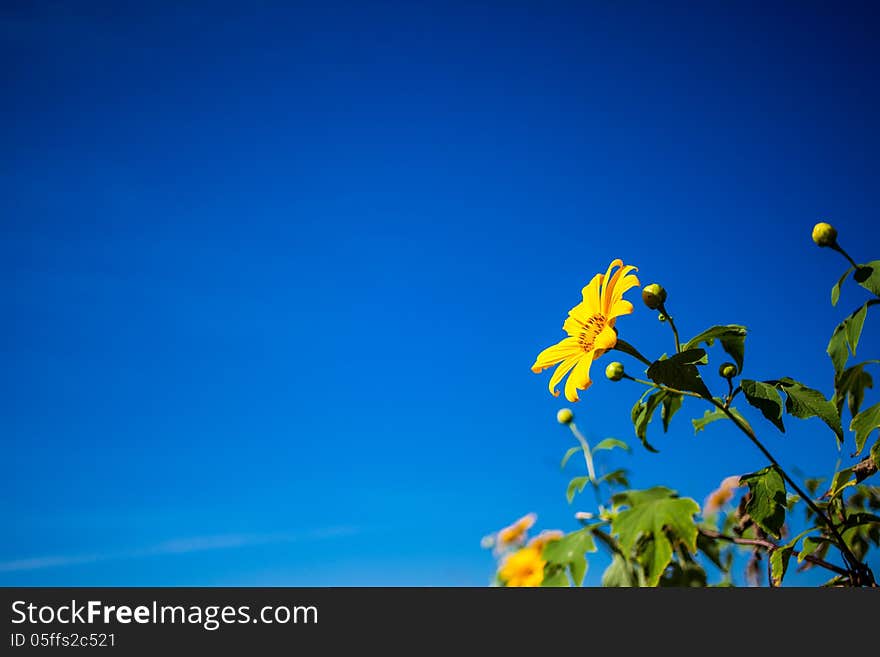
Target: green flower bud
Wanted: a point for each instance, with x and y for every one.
(727, 370)
(614, 371)
(654, 296)
(564, 416)
(824, 234)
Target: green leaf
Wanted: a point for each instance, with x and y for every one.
(766, 504)
(555, 578)
(684, 575)
(571, 452)
(780, 557)
(655, 514)
(610, 443)
(868, 276)
(679, 371)
(711, 550)
(845, 337)
(859, 519)
(803, 402)
(835, 291)
(851, 385)
(875, 454)
(864, 423)
(766, 399)
(575, 486)
(842, 480)
(811, 544)
(671, 404)
(732, 338)
(615, 477)
(716, 414)
(569, 551)
(708, 418)
(620, 574)
(854, 328)
(642, 414)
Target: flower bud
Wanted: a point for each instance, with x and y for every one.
(614, 371)
(564, 416)
(824, 234)
(654, 296)
(662, 317)
(727, 370)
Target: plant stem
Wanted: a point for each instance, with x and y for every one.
(856, 567)
(729, 393)
(662, 309)
(858, 572)
(769, 546)
(840, 250)
(588, 457)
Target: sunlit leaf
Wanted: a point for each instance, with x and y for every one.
(571, 452)
(575, 486)
(655, 514)
(868, 276)
(610, 443)
(864, 423)
(835, 291)
(803, 402)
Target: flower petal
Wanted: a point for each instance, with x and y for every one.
(579, 379)
(606, 339)
(610, 293)
(590, 305)
(562, 370)
(620, 307)
(623, 285)
(555, 354)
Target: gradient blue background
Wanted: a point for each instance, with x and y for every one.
(273, 276)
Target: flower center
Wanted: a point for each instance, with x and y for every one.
(591, 329)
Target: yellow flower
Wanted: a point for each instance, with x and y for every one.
(590, 328)
(516, 533)
(721, 496)
(546, 536)
(525, 567)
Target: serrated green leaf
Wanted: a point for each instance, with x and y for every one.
(671, 404)
(864, 423)
(610, 443)
(569, 551)
(571, 452)
(766, 399)
(679, 371)
(868, 276)
(803, 402)
(654, 514)
(620, 574)
(767, 502)
(709, 417)
(732, 338)
(835, 291)
(575, 486)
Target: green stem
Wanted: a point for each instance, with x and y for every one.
(846, 255)
(588, 456)
(662, 309)
(852, 562)
(860, 571)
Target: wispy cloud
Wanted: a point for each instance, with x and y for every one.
(177, 546)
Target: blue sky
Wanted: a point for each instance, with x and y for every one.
(273, 276)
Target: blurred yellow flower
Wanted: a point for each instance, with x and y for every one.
(516, 533)
(590, 328)
(546, 536)
(721, 496)
(525, 567)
